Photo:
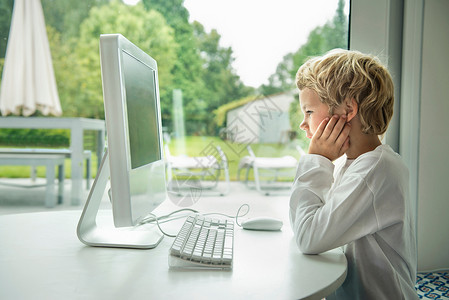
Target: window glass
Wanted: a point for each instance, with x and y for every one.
(226, 69)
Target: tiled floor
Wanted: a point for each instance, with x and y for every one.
(433, 285)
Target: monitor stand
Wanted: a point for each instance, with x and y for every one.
(142, 237)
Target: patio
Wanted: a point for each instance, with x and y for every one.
(17, 199)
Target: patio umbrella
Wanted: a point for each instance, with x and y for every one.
(28, 81)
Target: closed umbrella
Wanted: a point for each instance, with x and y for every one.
(28, 80)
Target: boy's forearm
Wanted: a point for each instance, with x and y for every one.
(313, 180)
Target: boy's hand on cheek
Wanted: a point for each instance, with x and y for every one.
(331, 138)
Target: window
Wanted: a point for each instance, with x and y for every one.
(233, 82)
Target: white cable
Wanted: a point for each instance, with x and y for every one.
(151, 218)
(236, 216)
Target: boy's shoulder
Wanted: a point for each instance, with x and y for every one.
(382, 158)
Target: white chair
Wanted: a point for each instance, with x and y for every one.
(203, 172)
(269, 168)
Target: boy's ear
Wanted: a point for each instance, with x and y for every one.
(351, 108)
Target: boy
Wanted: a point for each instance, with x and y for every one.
(360, 202)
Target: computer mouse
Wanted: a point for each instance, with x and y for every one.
(262, 223)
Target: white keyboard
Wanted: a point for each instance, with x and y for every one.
(203, 242)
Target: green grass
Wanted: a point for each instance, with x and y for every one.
(194, 146)
(25, 171)
(203, 145)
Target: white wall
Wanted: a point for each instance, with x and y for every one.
(376, 28)
(433, 192)
(421, 132)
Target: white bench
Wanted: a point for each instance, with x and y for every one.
(87, 155)
(50, 161)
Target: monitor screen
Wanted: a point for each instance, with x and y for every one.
(142, 111)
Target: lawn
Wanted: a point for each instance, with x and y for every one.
(193, 145)
(25, 171)
(204, 145)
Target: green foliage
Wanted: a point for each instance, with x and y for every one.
(78, 86)
(77, 61)
(66, 16)
(189, 58)
(320, 40)
(70, 78)
(173, 10)
(222, 85)
(6, 7)
(2, 63)
(187, 69)
(296, 116)
(35, 138)
(281, 80)
(24, 171)
(220, 112)
(203, 69)
(334, 34)
(147, 29)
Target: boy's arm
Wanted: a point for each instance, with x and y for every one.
(322, 221)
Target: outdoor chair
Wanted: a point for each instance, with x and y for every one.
(185, 173)
(267, 171)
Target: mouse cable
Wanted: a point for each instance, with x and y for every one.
(151, 218)
(237, 214)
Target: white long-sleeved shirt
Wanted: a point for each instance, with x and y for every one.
(363, 205)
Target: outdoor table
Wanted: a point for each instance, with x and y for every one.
(77, 127)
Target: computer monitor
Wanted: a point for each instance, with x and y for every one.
(133, 123)
(134, 159)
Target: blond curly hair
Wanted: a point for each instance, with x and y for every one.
(344, 74)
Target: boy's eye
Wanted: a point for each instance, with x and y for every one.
(308, 112)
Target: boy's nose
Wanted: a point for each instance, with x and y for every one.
(303, 125)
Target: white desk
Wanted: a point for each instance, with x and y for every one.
(77, 127)
(41, 256)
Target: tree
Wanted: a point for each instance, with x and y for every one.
(193, 61)
(77, 61)
(187, 68)
(63, 19)
(6, 7)
(203, 70)
(281, 80)
(66, 16)
(222, 84)
(334, 34)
